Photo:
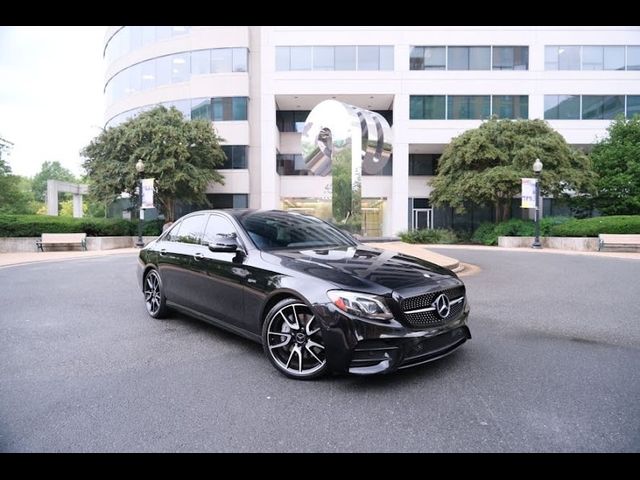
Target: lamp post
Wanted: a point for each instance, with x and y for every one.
(140, 170)
(537, 169)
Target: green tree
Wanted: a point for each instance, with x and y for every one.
(616, 159)
(181, 155)
(15, 191)
(485, 165)
(49, 171)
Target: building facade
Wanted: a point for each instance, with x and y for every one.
(257, 85)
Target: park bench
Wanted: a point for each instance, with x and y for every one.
(62, 239)
(608, 242)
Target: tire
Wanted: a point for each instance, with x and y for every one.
(154, 299)
(292, 340)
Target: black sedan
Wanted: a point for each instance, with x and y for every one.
(312, 295)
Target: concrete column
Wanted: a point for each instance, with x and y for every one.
(400, 179)
(77, 205)
(52, 198)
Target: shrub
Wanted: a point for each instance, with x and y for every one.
(488, 233)
(591, 227)
(35, 225)
(438, 235)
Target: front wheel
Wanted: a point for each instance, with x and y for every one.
(292, 340)
(154, 298)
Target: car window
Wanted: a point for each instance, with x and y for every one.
(217, 225)
(190, 230)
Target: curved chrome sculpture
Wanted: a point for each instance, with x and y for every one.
(344, 140)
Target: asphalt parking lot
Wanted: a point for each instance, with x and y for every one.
(554, 365)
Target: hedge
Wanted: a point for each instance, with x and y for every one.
(36, 225)
(488, 233)
(591, 227)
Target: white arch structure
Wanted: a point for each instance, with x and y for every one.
(55, 186)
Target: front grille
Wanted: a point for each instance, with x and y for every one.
(431, 318)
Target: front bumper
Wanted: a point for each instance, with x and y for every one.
(365, 347)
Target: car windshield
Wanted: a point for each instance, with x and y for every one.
(277, 230)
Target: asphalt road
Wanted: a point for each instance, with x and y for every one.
(554, 365)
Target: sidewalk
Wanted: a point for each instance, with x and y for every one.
(624, 255)
(21, 258)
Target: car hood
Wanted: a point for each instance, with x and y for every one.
(360, 267)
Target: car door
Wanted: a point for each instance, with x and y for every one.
(221, 276)
(176, 259)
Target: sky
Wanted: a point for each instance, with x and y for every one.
(51, 98)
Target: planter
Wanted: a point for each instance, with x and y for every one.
(28, 244)
(579, 244)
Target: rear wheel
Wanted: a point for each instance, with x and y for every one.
(154, 298)
(292, 340)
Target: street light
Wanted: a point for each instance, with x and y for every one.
(537, 169)
(140, 170)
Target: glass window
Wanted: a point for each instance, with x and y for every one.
(633, 58)
(240, 59)
(633, 105)
(239, 108)
(148, 74)
(479, 58)
(469, 58)
(135, 78)
(386, 171)
(274, 230)
(551, 58)
(423, 163)
(189, 231)
(282, 59)
(510, 58)
(458, 58)
(614, 58)
(217, 225)
(345, 58)
(179, 30)
(240, 200)
(562, 107)
(323, 58)
(221, 60)
(510, 106)
(217, 105)
(416, 58)
(592, 58)
(604, 107)
(427, 107)
(290, 164)
(386, 57)
(301, 58)
(236, 156)
(468, 107)
(568, 58)
(180, 67)
(368, 58)
(148, 35)
(163, 70)
(201, 62)
(434, 58)
(135, 38)
(299, 119)
(201, 108)
(163, 32)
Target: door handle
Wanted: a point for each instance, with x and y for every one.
(198, 255)
(163, 251)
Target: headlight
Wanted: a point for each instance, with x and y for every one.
(360, 304)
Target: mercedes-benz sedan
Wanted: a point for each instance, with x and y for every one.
(312, 295)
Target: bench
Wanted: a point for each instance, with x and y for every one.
(608, 242)
(62, 239)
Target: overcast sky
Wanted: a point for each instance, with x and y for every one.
(51, 100)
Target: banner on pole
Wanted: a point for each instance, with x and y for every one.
(147, 193)
(528, 193)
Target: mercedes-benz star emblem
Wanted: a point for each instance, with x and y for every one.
(442, 305)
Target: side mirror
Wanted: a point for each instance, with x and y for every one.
(224, 243)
